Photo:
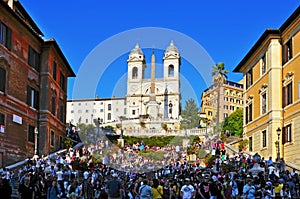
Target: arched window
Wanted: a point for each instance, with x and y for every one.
(134, 73)
(171, 71)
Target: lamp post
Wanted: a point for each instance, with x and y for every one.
(121, 119)
(98, 125)
(278, 152)
(36, 132)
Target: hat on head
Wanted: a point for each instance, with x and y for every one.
(114, 175)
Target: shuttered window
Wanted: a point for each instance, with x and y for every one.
(2, 79)
(33, 58)
(5, 36)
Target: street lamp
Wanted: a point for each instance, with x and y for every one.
(278, 134)
(98, 125)
(36, 132)
(121, 119)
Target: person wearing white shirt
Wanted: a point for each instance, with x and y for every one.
(187, 191)
(59, 175)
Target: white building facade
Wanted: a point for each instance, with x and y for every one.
(87, 111)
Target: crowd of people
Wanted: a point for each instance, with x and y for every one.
(126, 174)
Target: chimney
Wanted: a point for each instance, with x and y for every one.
(10, 3)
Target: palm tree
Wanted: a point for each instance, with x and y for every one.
(219, 78)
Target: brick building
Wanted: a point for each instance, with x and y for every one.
(33, 85)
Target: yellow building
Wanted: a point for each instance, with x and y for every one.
(231, 99)
(271, 72)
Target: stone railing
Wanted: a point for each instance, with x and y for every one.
(230, 150)
(159, 132)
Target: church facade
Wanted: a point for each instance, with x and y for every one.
(157, 97)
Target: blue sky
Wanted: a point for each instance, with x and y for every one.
(225, 29)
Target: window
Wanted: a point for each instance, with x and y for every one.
(250, 144)
(61, 113)
(72, 111)
(210, 113)
(171, 71)
(86, 120)
(54, 71)
(249, 113)
(2, 122)
(109, 107)
(238, 101)
(231, 100)
(62, 81)
(94, 110)
(86, 111)
(232, 108)
(52, 138)
(225, 115)
(264, 138)
(32, 97)
(109, 116)
(287, 134)
(61, 143)
(101, 103)
(101, 110)
(79, 111)
(30, 133)
(79, 104)
(133, 112)
(287, 51)
(2, 79)
(5, 36)
(263, 103)
(226, 98)
(225, 107)
(34, 58)
(134, 73)
(263, 64)
(249, 78)
(125, 111)
(288, 94)
(53, 105)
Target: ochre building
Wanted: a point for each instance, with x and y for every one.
(271, 72)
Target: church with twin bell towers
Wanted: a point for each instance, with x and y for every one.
(158, 98)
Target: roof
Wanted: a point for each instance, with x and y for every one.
(61, 54)
(254, 48)
(96, 99)
(172, 48)
(23, 17)
(266, 34)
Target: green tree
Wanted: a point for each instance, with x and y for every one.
(190, 117)
(219, 78)
(234, 123)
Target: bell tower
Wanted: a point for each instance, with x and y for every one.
(172, 63)
(136, 70)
